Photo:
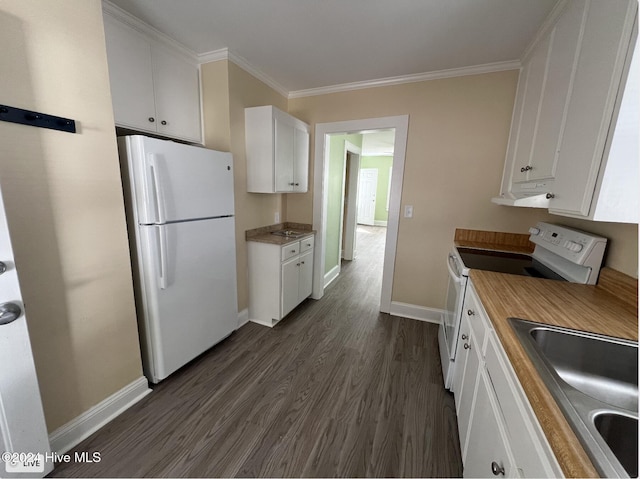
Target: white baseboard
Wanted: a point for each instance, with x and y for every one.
(331, 275)
(268, 324)
(380, 223)
(412, 311)
(243, 317)
(80, 428)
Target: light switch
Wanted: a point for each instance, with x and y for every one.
(408, 211)
(276, 217)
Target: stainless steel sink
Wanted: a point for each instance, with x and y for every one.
(594, 380)
(290, 233)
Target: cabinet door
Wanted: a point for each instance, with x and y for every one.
(301, 160)
(534, 74)
(590, 111)
(488, 445)
(465, 399)
(283, 160)
(563, 53)
(177, 95)
(305, 277)
(462, 354)
(289, 293)
(129, 57)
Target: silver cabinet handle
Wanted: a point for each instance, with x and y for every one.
(9, 312)
(526, 168)
(466, 346)
(151, 119)
(550, 195)
(3, 267)
(163, 122)
(470, 312)
(464, 337)
(497, 469)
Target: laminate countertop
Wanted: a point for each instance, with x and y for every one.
(594, 309)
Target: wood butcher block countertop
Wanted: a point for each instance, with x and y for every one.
(609, 308)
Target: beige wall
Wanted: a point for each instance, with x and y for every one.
(252, 209)
(458, 130)
(64, 204)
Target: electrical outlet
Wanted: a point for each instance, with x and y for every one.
(276, 217)
(408, 211)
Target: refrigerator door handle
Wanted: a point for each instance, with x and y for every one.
(157, 190)
(162, 250)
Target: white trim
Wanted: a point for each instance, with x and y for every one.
(323, 130)
(418, 77)
(226, 54)
(261, 322)
(213, 56)
(548, 22)
(412, 311)
(331, 275)
(243, 317)
(78, 429)
(380, 223)
(125, 17)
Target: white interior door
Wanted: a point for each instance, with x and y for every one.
(22, 425)
(367, 196)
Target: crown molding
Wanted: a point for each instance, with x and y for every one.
(418, 77)
(226, 54)
(213, 56)
(548, 23)
(125, 17)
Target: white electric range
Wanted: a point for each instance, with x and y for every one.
(561, 253)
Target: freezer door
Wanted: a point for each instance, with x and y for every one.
(189, 291)
(175, 182)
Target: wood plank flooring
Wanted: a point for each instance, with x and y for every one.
(336, 389)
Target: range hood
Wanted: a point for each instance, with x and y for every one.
(538, 200)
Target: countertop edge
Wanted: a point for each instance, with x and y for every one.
(500, 295)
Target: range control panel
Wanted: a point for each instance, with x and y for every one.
(577, 246)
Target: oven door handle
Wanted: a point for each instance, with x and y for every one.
(454, 276)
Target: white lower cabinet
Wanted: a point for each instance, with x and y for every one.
(488, 453)
(297, 274)
(280, 278)
(499, 432)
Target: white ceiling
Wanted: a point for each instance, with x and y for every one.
(378, 143)
(308, 44)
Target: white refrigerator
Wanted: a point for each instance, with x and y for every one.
(180, 211)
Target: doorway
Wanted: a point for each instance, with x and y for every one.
(322, 184)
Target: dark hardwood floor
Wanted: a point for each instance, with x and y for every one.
(336, 389)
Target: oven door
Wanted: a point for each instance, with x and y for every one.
(455, 298)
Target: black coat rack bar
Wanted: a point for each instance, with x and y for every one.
(33, 118)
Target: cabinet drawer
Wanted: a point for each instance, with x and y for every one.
(306, 244)
(290, 250)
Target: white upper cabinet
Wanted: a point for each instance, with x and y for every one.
(277, 149)
(153, 88)
(592, 147)
(566, 112)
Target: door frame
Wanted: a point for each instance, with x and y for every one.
(349, 251)
(321, 187)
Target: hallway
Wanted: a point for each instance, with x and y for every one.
(335, 389)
